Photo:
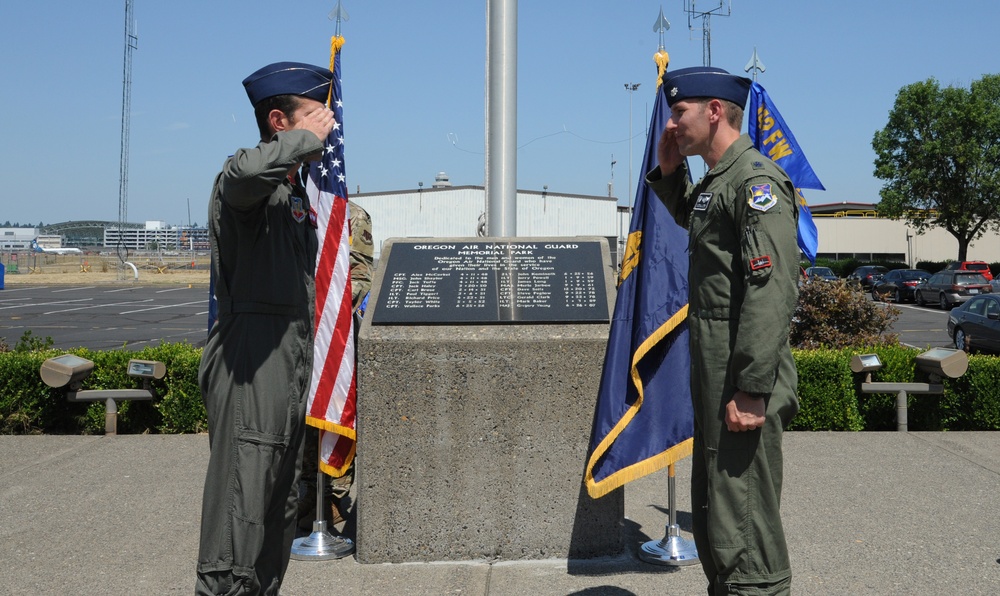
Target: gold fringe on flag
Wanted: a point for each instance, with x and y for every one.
(336, 42)
(652, 464)
(662, 59)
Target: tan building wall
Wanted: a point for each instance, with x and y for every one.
(847, 236)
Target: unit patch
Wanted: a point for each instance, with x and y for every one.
(758, 263)
(313, 218)
(703, 200)
(761, 198)
(298, 211)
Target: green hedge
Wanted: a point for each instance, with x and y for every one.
(830, 395)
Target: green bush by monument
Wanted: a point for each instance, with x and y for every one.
(830, 395)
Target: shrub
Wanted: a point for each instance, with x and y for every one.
(829, 394)
(826, 392)
(835, 315)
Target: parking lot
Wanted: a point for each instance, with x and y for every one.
(922, 326)
(104, 317)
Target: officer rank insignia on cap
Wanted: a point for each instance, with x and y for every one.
(761, 198)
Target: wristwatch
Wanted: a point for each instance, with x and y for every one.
(756, 395)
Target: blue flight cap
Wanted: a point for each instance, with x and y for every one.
(289, 78)
(705, 81)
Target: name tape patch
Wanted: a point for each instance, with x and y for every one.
(758, 263)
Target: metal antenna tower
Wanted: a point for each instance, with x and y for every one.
(131, 43)
(706, 24)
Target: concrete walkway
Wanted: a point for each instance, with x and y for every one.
(865, 513)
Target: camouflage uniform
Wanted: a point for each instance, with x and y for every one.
(256, 366)
(744, 263)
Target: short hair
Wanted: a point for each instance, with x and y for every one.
(734, 113)
(285, 104)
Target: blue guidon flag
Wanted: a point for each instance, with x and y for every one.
(772, 137)
(644, 420)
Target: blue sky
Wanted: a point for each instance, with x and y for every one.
(413, 77)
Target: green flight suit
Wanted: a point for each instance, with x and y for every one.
(256, 366)
(744, 262)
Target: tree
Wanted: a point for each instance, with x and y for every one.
(940, 157)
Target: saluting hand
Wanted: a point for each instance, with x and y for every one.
(319, 122)
(667, 153)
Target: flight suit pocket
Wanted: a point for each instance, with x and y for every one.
(758, 255)
(259, 459)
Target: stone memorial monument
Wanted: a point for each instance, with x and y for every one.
(479, 361)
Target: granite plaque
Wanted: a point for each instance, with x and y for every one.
(493, 282)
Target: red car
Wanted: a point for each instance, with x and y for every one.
(979, 267)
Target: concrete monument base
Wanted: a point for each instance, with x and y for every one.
(472, 441)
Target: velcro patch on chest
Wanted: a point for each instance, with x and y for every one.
(703, 200)
(758, 263)
(761, 198)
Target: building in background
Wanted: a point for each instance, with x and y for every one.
(155, 235)
(446, 211)
(17, 239)
(846, 230)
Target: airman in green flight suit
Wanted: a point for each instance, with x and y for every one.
(744, 261)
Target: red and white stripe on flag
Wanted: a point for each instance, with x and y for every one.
(332, 404)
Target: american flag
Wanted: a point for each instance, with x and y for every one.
(332, 404)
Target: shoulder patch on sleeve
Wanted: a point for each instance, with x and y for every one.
(761, 198)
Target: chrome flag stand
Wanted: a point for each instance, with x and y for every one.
(321, 545)
(673, 550)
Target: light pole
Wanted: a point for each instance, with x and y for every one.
(630, 87)
(909, 249)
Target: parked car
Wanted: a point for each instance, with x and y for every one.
(820, 273)
(898, 285)
(950, 287)
(977, 266)
(866, 275)
(976, 324)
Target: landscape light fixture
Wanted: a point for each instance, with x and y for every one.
(69, 370)
(937, 363)
(865, 363)
(943, 362)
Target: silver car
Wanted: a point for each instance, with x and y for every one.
(950, 287)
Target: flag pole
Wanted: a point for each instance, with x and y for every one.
(674, 550)
(321, 545)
